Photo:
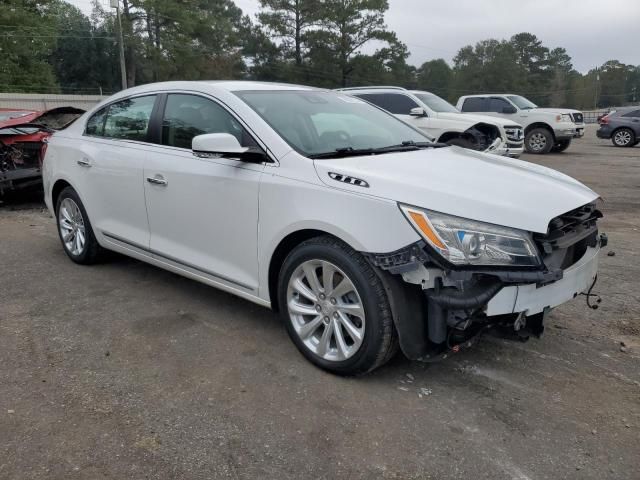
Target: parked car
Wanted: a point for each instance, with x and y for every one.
(545, 129)
(327, 209)
(444, 122)
(622, 126)
(22, 137)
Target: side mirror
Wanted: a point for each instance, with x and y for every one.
(417, 112)
(509, 109)
(224, 145)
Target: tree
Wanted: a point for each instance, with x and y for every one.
(346, 26)
(288, 21)
(435, 76)
(560, 70)
(27, 37)
(489, 66)
(85, 58)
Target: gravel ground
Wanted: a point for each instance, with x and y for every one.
(123, 370)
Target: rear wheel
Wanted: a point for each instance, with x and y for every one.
(623, 137)
(561, 146)
(539, 141)
(335, 307)
(74, 229)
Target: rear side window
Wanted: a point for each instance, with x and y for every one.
(633, 113)
(498, 104)
(392, 102)
(129, 119)
(95, 125)
(186, 116)
(474, 104)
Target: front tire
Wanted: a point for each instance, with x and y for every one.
(539, 141)
(335, 307)
(623, 137)
(74, 229)
(561, 146)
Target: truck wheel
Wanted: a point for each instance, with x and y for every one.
(335, 307)
(561, 146)
(623, 137)
(539, 141)
(461, 142)
(74, 229)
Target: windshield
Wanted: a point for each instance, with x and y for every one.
(318, 123)
(13, 114)
(436, 103)
(521, 102)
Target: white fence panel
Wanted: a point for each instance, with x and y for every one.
(35, 101)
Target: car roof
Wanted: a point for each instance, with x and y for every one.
(228, 85)
(489, 95)
(211, 86)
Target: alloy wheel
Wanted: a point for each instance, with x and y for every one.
(71, 224)
(537, 142)
(622, 138)
(326, 310)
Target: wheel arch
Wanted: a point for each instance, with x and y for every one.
(448, 135)
(58, 186)
(634, 135)
(535, 125)
(282, 250)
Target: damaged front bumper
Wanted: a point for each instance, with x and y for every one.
(530, 298)
(499, 147)
(439, 310)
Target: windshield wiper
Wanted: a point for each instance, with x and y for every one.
(406, 146)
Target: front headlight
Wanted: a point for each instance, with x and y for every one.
(565, 117)
(467, 242)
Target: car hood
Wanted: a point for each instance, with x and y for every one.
(555, 111)
(54, 119)
(474, 118)
(464, 183)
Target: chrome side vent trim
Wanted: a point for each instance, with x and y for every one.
(339, 177)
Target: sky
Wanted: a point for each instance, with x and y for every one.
(592, 31)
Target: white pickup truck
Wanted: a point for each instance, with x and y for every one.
(445, 123)
(545, 129)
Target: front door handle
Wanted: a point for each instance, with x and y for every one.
(157, 180)
(84, 162)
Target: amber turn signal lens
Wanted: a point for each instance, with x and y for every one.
(421, 222)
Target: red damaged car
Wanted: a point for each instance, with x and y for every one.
(23, 135)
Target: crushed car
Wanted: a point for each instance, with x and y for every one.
(23, 135)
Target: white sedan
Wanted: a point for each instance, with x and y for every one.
(363, 234)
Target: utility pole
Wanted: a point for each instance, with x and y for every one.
(123, 68)
(595, 90)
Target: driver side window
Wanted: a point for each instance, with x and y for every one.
(497, 105)
(187, 116)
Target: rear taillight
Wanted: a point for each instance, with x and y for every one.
(603, 120)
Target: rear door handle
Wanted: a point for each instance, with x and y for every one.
(157, 180)
(84, 162)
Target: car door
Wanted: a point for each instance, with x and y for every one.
(203, 212)
(110, 169)
(632, 120)
(400, 105)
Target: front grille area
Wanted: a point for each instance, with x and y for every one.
(514, 133)
(578, 118)
(568, 237)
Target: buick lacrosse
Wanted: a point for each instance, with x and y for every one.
(365, 236)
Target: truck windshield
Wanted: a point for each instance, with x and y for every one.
(521, 102)
(436, 103)
(320, 124)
